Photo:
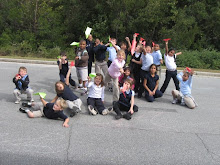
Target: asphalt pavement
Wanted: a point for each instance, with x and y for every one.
(159, 134)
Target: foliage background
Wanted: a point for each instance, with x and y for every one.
(45, 27)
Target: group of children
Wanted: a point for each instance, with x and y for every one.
(141, 76)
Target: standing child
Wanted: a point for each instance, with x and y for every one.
(126, 75)
(146, 60)
(112, 50)
(64, 67)
(157, 57)
(124, 47)
(114, 71)
(136, 66)
(81, 63)
(126, 101)
(184, 95)
(89, 48)
(96, 96)
(171, 71)
(49, 110)
(62, 89)
(21, 81)
(151, 83)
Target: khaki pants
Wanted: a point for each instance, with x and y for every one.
(75, 103)
(159, 71)
(28, 91)
(188, 100)
(38, 109)
(108, 78)
(101, 67)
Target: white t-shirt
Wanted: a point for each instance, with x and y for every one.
(96, 91)
(147, 61)
(170, 62)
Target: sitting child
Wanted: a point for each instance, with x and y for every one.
(126, 101)
(21, 81)
(62, 89)
(184, 95)
(96, 96)
(123, 77)
(64, 67)
(151, 82)
(49, 110)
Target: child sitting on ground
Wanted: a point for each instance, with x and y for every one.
(126, 75)
(126, 101)
(49, 110)
(21, 81)
(184, 95)
(96, 96)
(114, 71)
(64, 67)
(62, 89)
(151, 83)
(81, 64)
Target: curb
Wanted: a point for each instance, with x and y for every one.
(198, 73)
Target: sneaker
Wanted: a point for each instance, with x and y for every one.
(22, 110)
(110, 109)
(105, 112)
(28, 104)
(174, 101)
(72, 112)
(118, 116)
(32, 100)
(182, 103)
(92, 110)
(127, 116)
(17, 101)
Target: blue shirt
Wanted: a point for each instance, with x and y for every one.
(112, 52)
(185, 86)
(157, 56)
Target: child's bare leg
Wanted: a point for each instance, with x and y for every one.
(80, 83)
(84, 84)
(30, 114)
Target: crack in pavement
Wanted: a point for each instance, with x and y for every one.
(207, 149)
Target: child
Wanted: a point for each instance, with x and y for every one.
(63, 90)
(123, 46)
(112, 50)
(114, 71)
(136, 67)
(89, 48)
(100, 63)
(96, 96)
(151, 82)
(81, 64)
(49, 110)
(184, 95)
(126, 101)
(21, 81)
(171, 71)
(126, 75)
(146, 60)
(64, 67)
(157, 57)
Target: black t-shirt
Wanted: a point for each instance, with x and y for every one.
(151, 81)
(64, 69)
(51, 114)
(67, 94)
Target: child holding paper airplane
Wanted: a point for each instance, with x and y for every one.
(125, 47)
(49, 110)
(21, 81)
(112, 49)
(171, 71)
(64, 67)
(157, 58)
(125, 102)
(151, 83)
(96, 96)
(81, 64)
(184, 95)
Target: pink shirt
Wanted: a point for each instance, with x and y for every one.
(114, 69)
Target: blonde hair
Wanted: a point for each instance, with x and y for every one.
(22, 68)
(122, 52)
(62, 103)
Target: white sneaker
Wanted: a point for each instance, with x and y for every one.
(110, 110)
(32, 100)
(17, 101)
(174, 101)
(105, 112)
(92, 110)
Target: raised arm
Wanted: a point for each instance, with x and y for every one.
(179, 53)
(68, 75)
(43, 101)
(134, 42)
(129, 43)
(166, 47)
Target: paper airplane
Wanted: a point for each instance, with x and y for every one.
(41, 94)
(88, 31)
(75, 44)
